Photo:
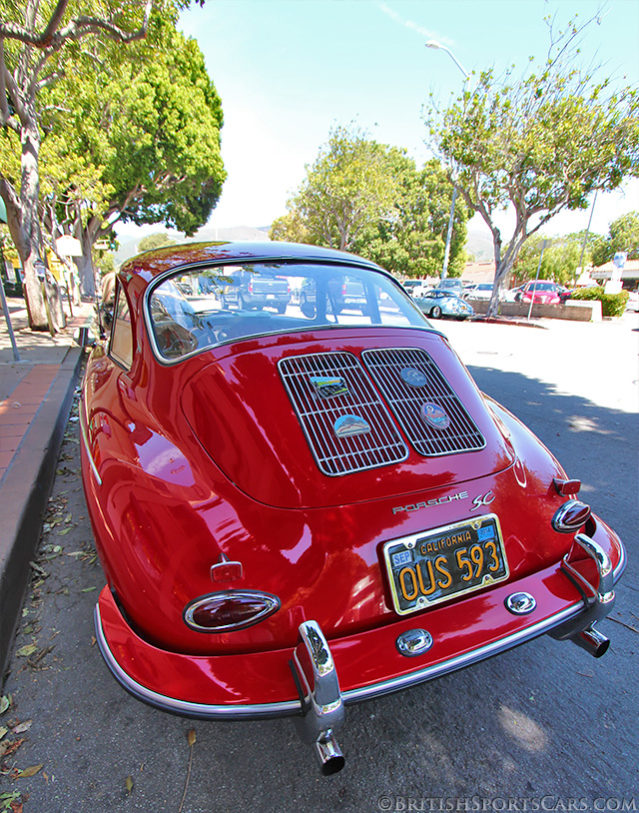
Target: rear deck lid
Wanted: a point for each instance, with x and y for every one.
(315, 426)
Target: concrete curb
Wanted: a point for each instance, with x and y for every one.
(25, 494)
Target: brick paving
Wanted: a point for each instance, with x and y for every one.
(35, 397)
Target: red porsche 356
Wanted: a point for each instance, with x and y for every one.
(301, 500)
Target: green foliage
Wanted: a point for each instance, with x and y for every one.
(290, 227)
(43, 41)
(540, 144)
(611, 304)
(559, 263)
(349, 188)
(157, 240)
(623, 235)
(601, 251)
(8, 800)
(412, 241)
(142, 138)
(370, 198)
(104, 262)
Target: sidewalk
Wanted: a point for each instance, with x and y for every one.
(36, 394)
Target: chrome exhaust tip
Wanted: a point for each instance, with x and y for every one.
(329, 754)
(592, 641)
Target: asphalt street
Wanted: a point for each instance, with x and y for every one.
(531, 729)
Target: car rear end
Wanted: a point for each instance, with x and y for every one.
(327, 510)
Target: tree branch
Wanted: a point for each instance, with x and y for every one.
(53, 39)
(14, 92)
(5, 115)
(49, 80)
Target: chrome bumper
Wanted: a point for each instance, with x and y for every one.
(569, 618)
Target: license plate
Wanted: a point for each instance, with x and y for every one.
(426, 569)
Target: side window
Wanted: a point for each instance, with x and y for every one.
(121, 349)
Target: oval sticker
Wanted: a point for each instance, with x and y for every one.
(413, 377)
(435, 416)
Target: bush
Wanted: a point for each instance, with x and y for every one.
(611, 304)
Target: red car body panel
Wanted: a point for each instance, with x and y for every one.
(260, 683)
(191, 463)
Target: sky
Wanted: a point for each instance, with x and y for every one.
(288, 71)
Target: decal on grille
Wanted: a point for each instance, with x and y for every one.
(356, 401)
(431, 415)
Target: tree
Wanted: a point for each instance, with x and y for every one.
(559, 263)
(147, 138)
(623, 235)
(411, 242)
(370, 198)
(35, 44)
(348, 188)
(290, 227)
(152, 241)
(540, 144)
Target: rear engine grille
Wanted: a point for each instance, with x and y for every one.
(392, 370)
(320, 404)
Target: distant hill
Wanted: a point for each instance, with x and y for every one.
(479, 242)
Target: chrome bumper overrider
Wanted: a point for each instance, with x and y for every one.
(320, 697)
(598, 598)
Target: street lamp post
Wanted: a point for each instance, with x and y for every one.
(449, 232)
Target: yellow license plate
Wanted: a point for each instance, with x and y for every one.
(426, 569)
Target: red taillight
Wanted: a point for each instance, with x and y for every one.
(229, 610)
(570, 516)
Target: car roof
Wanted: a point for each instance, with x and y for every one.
(150, 264)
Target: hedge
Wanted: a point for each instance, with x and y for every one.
(611, 304)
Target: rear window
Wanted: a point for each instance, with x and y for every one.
(204, 307)
(543, 286)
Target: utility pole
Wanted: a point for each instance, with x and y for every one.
(449, 232)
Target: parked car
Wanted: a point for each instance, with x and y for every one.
(484, 290)
(13, 288)
(250, 291)
(512, 294)
(565, 294)
(452, 284)
(343, 293)
(543, 292)
(440, 302)
(295, 512)
(413, 286)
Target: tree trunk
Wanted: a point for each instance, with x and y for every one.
(84, 263)
(493, 305)
(86, 272)
(27, 252)
(30, 244)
